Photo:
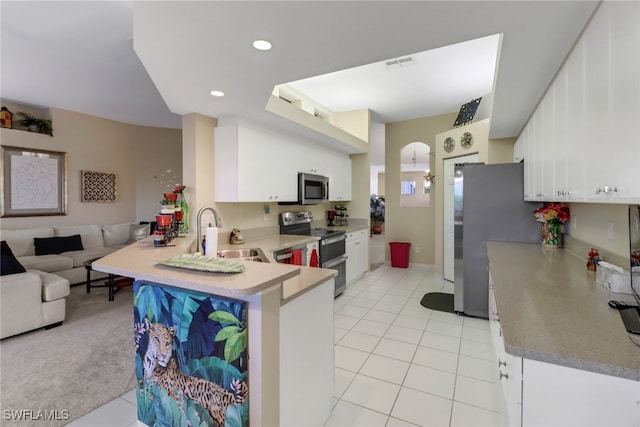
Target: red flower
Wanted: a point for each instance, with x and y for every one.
(179, 188)
(552, 213)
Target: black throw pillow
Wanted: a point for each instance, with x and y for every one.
(10, 265)
(57, 245)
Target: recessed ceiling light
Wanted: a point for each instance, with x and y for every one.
(217, 93)
(262, 45)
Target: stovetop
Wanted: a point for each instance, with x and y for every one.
(326, 232)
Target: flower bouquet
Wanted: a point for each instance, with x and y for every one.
(552, 216)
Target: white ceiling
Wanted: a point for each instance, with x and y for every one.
(78, 55)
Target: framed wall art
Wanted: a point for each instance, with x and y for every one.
(98, 186)
(34, 182)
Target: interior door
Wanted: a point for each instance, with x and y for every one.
(449, 165)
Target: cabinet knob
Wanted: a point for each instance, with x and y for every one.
(503, 375)
(606, 190)
(502, 363)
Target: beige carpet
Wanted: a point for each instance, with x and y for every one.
(77, 367)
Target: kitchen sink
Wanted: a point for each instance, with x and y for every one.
(243, 254)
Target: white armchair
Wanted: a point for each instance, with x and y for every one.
(31, 300)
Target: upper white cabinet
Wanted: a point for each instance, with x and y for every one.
(254, 164)
(582, 144)
(340, 179)
(249, 167)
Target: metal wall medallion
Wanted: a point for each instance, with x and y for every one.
(449, 144)
(466, 140)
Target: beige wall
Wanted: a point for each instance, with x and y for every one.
(420, 198)
(501, 150)
(590, 223)
(381, 181)
(96, 144)
(411, 224)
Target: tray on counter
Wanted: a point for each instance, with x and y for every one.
(204, 263)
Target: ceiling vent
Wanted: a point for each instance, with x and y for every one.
(400, 62)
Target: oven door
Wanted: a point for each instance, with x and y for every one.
(339, 264)
(333, 247)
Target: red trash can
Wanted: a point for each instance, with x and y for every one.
(400, 254)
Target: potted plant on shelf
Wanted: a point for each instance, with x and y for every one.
(35, 124)
(377, 213)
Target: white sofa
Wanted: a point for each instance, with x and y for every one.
(97, 241)
(36, 298)
(31, 300)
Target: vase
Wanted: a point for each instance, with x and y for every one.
(184, 207)
(551, 234)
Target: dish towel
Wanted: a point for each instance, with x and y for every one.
(296, 257)
(313, 262)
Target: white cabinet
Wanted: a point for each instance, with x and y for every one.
(543, 394)
(556, 395)
(248, 166)
(581, 143)
(254, 164)
(508, 371)
(357, 251)
(340, 179)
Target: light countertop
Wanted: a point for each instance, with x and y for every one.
(140, 261)
(552, 310)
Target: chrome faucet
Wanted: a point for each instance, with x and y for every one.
(217, 220)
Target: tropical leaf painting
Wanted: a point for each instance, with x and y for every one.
(209, 345)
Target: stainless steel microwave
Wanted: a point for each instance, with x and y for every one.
(312, 189)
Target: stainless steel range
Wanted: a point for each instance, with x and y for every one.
(332, 243)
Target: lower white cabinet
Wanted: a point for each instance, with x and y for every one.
(543, 394)
(357, 251)
(508, 371)
(555, 395)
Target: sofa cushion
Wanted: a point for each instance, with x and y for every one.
(10, 265)
(91, 234)
(21, 241)
(79, 257)
(116, 234)
(139, 232)
(57, 245)
(47, 263)
(53, 287)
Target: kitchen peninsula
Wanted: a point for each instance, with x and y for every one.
(287, 328)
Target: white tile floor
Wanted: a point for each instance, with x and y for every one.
(397, 363)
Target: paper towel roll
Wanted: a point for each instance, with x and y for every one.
(211, 235)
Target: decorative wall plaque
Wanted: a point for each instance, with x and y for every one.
(98, 186)
(449, 144)
(467, 112)
(466, 140)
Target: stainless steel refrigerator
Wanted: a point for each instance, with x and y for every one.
(488, 205)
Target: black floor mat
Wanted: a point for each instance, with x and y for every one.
(438, 301)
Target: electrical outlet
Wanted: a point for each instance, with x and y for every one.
(574, 222)
(610, 230)
(417, 249)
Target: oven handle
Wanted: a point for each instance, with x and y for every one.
(282, 257)
(331, 240)
(335, 261)
(288, 253)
